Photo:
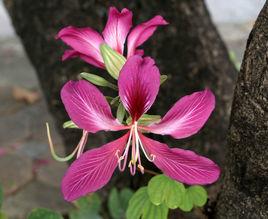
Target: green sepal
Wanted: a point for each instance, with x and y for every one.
(113, 60)
(163, 79)
(115, 101)
(121, 112)
(145, 119)
(98, 80)
(69, 125)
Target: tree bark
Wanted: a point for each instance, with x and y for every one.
(189, 50)
(245, 190)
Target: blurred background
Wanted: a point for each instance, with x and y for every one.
(30, 178)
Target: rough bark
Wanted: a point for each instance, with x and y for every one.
(189, 50)
(245, 190)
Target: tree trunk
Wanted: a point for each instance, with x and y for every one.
(245, 190)
(189, 50)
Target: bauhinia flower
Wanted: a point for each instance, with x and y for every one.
(86, 42)
(138, 85)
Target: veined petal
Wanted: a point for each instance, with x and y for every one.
(83, 40)
(187, 116)
(87, 107)
(138, 83)
(70, 53)
(117, 28)
(142, 32)
(92, 170)
(182, 165)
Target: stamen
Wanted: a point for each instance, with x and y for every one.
(141, 168)
(53, 153)
(132, 168)
(82, 143)
(124, 156)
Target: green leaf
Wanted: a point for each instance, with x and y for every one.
(113, 60)
(140, 206)
(186, 203)
(198, 195)
(43, 213)
(1, 196)
(151, 211)
(3, 215)
(194, 196)
(163, 78)
(121, 112)
(118, 202)
(162, 189)
(109, 99)
(70, 124)
(84, 214)
(98, 80)
(136, 203)
(91, 202)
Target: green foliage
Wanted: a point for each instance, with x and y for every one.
(162, 189)
(121, 112)
(42, 213)
(118, 202)
(87, 207)
(3, 215)
(69, 124)
(145, 119)
(193, 196)
(98, 80)
(234, 60)
(1, 196)
(140, 206)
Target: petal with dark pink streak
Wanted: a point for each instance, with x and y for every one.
(138, 83)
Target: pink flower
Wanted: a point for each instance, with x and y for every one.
(138, 84)
(85, 42)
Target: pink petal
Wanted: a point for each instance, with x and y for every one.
(92, 170)
(87, 107)
(138, 83)
(83, 40)
(187, 116)
(70, 53)
(142, 32)
(117, 28)
(182, 165)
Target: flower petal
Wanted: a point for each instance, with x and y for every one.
(182, 165)
(92, 170)
(142, 32)
(187, 116)
(83, 40)
(87, 107)
(70, 53)
(117, 28)
(138, 83)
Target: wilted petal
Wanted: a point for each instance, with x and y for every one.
(187, 116)
(83, 40)
(142, 32)
(92, 170)
(117, 28)
(68, 54)
(138, 83)
(87, 107)
(182, 165)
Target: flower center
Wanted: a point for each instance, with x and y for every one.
(135, 142)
